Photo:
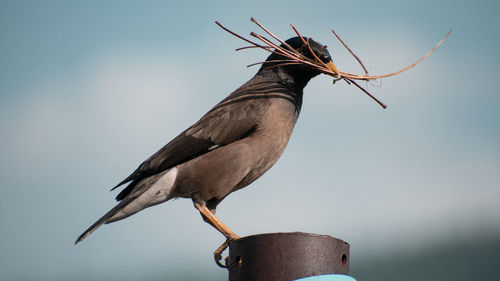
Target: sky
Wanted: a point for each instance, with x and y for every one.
(89, 89)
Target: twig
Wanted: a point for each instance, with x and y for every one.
(239, 36)
(310, 49)
(368, 77)
(272, 61)
(350, 51)
(249, 47)
(294, 57)
(274, 36)
(366, 92)
(279, 50)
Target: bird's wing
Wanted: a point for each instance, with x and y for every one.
(234, 118)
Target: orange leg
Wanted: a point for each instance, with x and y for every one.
(221, 227)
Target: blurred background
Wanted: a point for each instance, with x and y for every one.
(89, 89)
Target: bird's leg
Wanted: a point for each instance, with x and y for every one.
(215, 222)
(211, 219)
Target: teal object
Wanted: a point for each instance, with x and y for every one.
(328, 277)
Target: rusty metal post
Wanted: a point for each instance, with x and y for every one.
(286, 256)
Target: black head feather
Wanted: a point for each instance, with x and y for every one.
(299, 72)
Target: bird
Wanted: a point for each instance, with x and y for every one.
(230, 147)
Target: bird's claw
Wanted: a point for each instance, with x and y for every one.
(218, 253)
(220, 250)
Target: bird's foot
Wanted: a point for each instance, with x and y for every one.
(218, 252)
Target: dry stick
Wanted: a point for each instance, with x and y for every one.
(249, 47)
(367, 77)
(297, 58)
(284, 52)
(274, 36)
(271, 44)
(345, 78)
(278, 49)
(350, 51)
(324, 67)
(239, 36)
(294, 51)
(327, 71)
(366, 92)
(266, 48)
(292, 56)
(284, 62)
(290, 51)
(319, 60)
(310, 49)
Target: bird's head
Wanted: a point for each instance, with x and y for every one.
(314, 58)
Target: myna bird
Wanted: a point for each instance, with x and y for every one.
(230, 146)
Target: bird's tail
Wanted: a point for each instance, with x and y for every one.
(148, 192)
(104, 219)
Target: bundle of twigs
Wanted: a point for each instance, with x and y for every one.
(294, 57)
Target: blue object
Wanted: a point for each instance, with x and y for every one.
(328, 277)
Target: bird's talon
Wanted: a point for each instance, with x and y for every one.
(217, 261)
(220, 250)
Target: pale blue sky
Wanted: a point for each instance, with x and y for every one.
(89, 89)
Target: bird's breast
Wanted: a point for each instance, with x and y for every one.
(270, 138)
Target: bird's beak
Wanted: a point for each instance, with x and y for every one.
(333, 68)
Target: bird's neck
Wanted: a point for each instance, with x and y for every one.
(277, 83)
(295, 77)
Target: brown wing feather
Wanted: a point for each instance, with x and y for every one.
(230, 120)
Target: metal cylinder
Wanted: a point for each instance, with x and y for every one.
(286, 256)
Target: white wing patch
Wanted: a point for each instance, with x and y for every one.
(213, 147)
(157, 193)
